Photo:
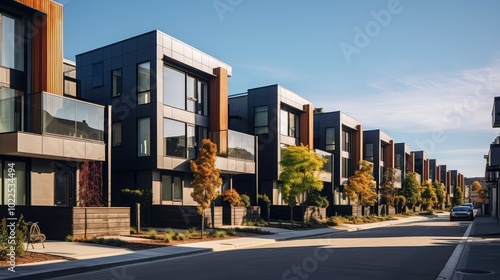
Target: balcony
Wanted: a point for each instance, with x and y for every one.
(326, 174)
(240, 145)
(45, 125)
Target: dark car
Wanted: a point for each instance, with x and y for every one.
(462, 213)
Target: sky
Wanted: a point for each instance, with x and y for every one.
(425, 72)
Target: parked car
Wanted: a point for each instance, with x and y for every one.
(462, 212)
(468, 204)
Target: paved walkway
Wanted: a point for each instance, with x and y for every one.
(92, 257)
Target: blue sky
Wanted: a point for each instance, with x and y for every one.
(425, 72)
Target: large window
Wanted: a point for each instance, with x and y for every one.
(12, 43)
(116, 76)
(397, 161)
(346, 167)
(180, 139)
(143, 83)
(143, 137)
(369, 152)
(171, 188)
(11, 110)
(261, 120)
(346, 141)
(116, 134)
(184, 91)
(330, 139)
(289, 124)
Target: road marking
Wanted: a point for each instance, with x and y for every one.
(450, 267)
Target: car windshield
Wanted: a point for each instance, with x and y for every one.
(461, 208)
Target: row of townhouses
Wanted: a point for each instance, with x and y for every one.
(141, 106)
(492, 170)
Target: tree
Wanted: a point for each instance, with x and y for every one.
(90, 181)
(411, 190)
(429, 198)
(387, 189)
(361, 187)
(458, 196)
(206, 178)
(232, 197)
(440, 194)
(480, 193)
(300, 173)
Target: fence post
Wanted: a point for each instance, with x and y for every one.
(138, 216)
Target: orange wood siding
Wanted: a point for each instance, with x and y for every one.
(47, 46)
(306, 126)
(219, 109)
(358, 146)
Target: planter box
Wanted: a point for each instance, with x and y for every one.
(237, 216)
(184, 217)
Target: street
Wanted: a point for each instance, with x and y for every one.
(417, 250)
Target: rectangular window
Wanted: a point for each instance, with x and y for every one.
(11, 110)
(171, 187)
(397, 161)
(97, 75)
(202, 134)
(382, 154)
(191, 141)
(289, 124)
(346, 145)
(174, 135)
(174, 87)
(191, 94)
(261, 120)
(284, 122)
(369, 152)
(14, 181)
(330, 139)
(116, 89)
(346, 167)
(202, 99)
(116, 134)
(143, 137)
(12, 43)
(143, 83)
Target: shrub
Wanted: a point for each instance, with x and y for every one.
(179, 236)
(246, 200)
(250, 230)
(230, 231)
(314, 198)
(152, 234)
(69, 238)
(21, 234)
(133, 230)
(218, 233)
(263, 198)
(193, 231)
(232, 197)
(168, 237)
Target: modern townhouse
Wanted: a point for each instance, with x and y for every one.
(342, 136)
(492, 175)
(445, 181)
(421, 166)
(379, 149)
(45, 134)
(434, 172)
(404, 160)
(279, 118)
(167, 97)
(456, 181)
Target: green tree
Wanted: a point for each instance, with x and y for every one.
(429, 198)
(361, 187)
(300, 173)
(458, 196)
(387, 187)
(206, 178)
(440, 194)
(411, 190)
(478, 189)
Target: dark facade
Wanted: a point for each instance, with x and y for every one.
(403, 159)
(421, 165)
(167, 97)
(434, 173)
(341, 135)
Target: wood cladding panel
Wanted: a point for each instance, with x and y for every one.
(47, 46)
(219, 108)
(306, 126)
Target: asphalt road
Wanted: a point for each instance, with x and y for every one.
(416, 250)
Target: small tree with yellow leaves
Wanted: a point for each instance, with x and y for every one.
(361, 187)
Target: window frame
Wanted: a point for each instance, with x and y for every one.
(119, 85)
(139, 148)
(143, 94)
(261, 129)
(332, 144)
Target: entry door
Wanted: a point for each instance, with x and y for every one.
(64, 189)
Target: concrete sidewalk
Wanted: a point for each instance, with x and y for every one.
(92, 256)
(481, 256)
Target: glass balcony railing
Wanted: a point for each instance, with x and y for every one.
(70, 117)
(240, 145)
(328, 166)
(47, 113)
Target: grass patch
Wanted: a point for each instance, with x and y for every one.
(152, 233)
(259, 223)
(218, 233)
(251, 230)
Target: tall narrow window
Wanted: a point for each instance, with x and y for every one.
(346, 167)
(143, 137)
(97, 75)
(369, 152)
(397, 161)
(330, 139)
(202, 99)
(191, 94)
(116, 82)
(143, 83)
(14, 177)
(166, 188)
(174, 134)
(177, 188)
(346, 147)
(12, 43)
(293, 124)
(284, 122)
(261, 120)
(116, 134)
(191, 140)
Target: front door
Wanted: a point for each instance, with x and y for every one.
(65, 182)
